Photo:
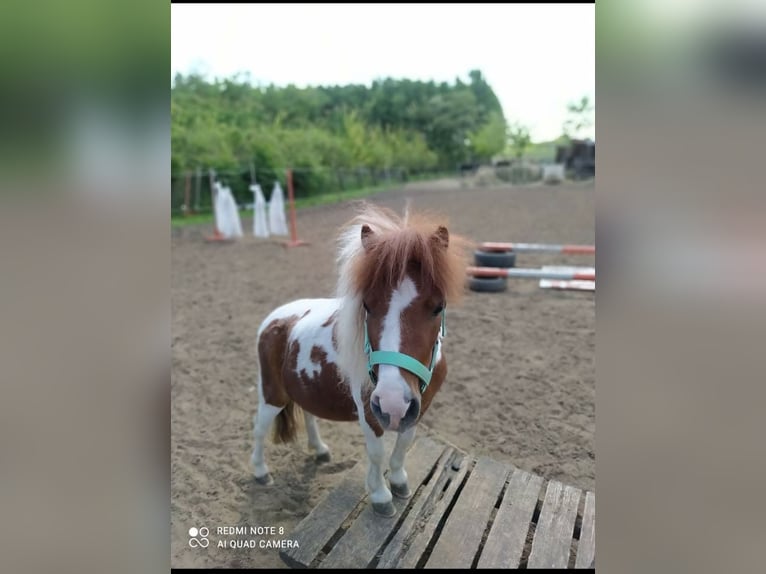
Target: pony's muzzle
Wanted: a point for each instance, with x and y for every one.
(396, 413)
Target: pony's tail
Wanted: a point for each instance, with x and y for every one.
(286, 424)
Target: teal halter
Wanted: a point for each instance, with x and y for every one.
(400, 359)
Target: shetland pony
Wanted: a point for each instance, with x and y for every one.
(372, 354)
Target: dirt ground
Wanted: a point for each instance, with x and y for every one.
(521, 384)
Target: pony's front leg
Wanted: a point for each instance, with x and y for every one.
(380, 495)
(398, 476)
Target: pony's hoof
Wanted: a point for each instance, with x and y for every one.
(386, 509)
(401, 490)
(324, 457)
(264, 480)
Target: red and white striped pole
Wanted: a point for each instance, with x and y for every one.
(519, 273)
(539, 248)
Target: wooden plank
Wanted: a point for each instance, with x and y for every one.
(419, 540)
(506, 539)
(365, 537)
(314, 531)
(321, 524)
(586, 547)
(555, 527)
(420, 510)
(462, 533)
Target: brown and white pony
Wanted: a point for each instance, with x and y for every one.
(395, 277)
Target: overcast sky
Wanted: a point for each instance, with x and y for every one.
(537, 58)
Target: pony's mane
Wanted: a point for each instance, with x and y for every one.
(400, 245)
(397, 242)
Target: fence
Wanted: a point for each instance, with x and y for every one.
(191, 193)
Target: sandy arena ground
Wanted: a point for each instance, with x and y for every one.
(521, 384)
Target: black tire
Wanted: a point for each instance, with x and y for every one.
(488, 284)
(503, 259)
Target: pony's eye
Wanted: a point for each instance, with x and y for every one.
(439, 309)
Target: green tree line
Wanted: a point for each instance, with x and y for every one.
(413, 126)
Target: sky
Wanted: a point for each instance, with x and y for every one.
(536, 58)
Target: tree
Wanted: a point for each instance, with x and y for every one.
(485, 96)
(490, 139)
(519, 138)
(410, 124)
(580, 117)
(452, 118)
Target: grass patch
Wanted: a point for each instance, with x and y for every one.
(181, 220)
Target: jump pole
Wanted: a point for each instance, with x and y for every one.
(520, 273)
(294, 241)
(538, 248)
(567, 285)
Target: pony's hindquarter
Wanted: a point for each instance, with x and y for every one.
(275, 407)
(272, 350)
(280, 389)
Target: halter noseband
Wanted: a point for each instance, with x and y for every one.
(400, 359)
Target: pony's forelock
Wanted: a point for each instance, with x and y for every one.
(395, 243)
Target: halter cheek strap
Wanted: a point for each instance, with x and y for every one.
(401, 360)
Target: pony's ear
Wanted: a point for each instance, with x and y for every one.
(441, 237)
(367, 237)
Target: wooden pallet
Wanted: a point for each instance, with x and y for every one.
(464, 513)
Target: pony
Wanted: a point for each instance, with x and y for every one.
(371, 354)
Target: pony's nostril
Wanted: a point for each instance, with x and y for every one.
(383, 418)
(412, 411)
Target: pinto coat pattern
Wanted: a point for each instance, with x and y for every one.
(396, 275)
